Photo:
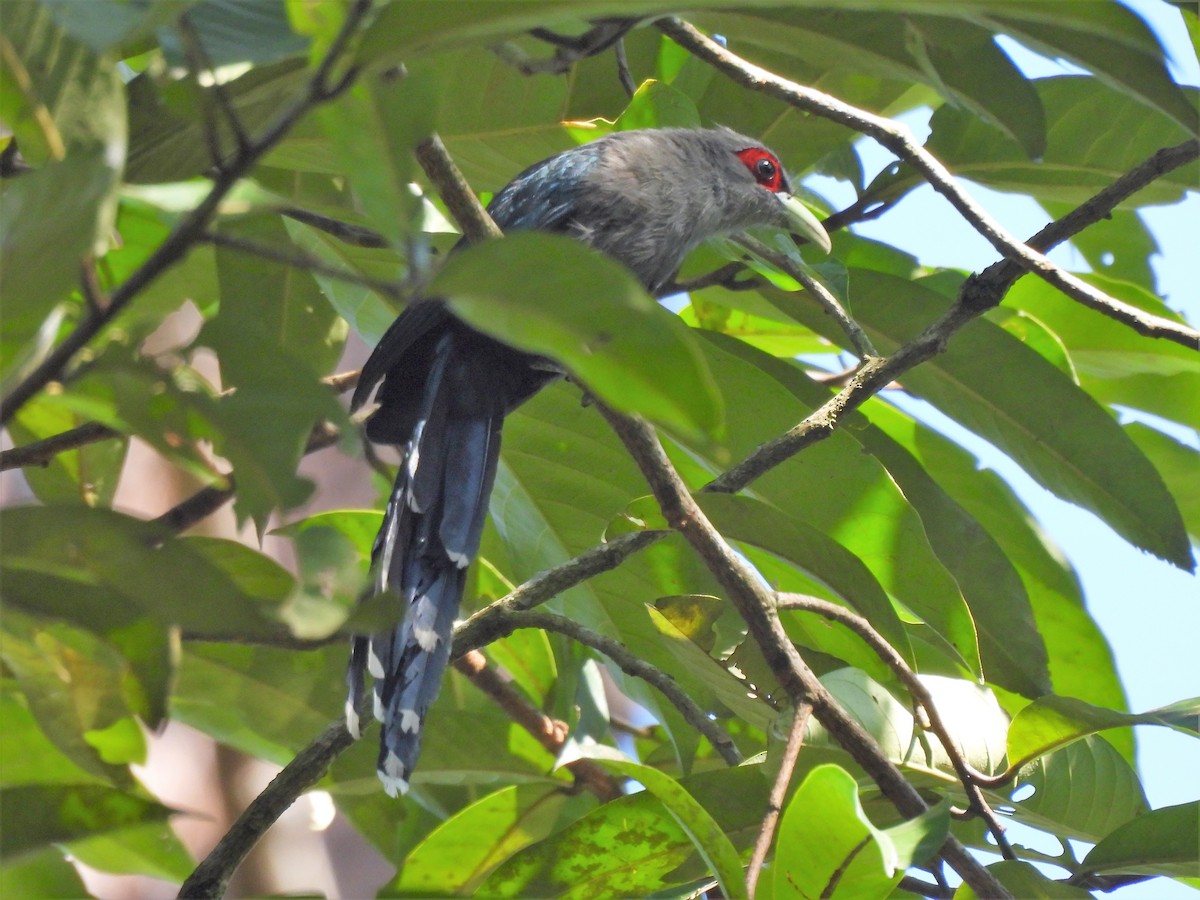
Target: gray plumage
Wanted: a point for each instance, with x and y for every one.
(646, 198)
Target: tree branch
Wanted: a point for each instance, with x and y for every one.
(321, 87)
(639, 668)
(900, 141)
(453, 188)
(210, 878)
(550, 733)
(297, 259)
(756, 605)
(916, 688)
(783, 777)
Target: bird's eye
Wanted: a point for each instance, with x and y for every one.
(763, 166)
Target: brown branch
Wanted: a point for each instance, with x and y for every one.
(39, 453)
(468, 212)
(916, 688)
(756, 605)
(210, 878)
(321, 87)
(637, 667)
(550, 733)
(900, 141)
(783, 777)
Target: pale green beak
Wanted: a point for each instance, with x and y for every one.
(804, 223)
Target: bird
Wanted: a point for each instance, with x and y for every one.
(644, 197)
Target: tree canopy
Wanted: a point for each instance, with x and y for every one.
(861, 657)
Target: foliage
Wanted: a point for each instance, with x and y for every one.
(113, 623)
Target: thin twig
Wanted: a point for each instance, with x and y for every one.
(898, 139)
(919, 692)
(298, 259)
(756, 604)
(639, 668)
(783, 777)
(346, 232)
(623, 73)
(39, 453)
(858, 338)
(320, 89)
(550, 733)
(199, 62)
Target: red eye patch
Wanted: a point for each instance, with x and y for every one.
(763, 166)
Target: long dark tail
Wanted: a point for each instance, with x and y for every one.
(430, 534)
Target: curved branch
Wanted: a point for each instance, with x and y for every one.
(550, 733)
(900, 141)
(639, 668)
(211, 877)
(916, 688)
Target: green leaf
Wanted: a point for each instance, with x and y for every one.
(261, 700)
(236, 31)
(167, 129)
(1160, 842)
(56, 93)
(725, 687)
(548, 294)
(705, 833)
(956, 57)
(43, 873)
(1054, 430)
(151, 849)
(915, 841)
(38, 815)
(826, 846)
(75, 687)
(367, 313)
(464, 849)
(1011, 648)
(658, 105)
(88, 474)
(1079, 658)
(165, 578)
(374, 127)
(745, 519)
(631, 847)
(1180, 469)
(840, 491)
(1115, 365)
(30, 757)
(1051, 722)
(48, 221)
(1083, 790)
(1107, 38)
(274, 335)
